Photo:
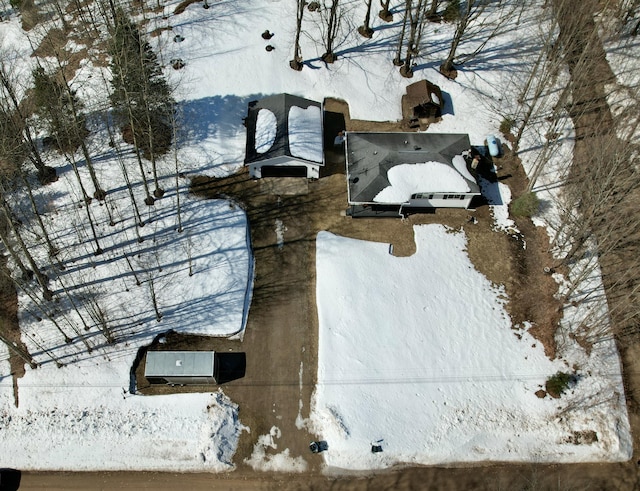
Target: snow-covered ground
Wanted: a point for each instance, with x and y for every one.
(418, 355)
(445, 379)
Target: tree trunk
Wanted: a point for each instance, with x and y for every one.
(53, 250)
(397, 61)
(385, 14)
(332, 30)
(415, 34)
(296, 63)
(98, 192)
(365, 29)
(40, 278)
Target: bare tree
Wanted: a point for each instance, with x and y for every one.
(473, 25)
(385, 14)
(332, 24)
(296, 63)
(52, 249)
(416, 20)
(432, 13)
(174, 127)
(365, 29)
(35, 269)
(398, 61)
(20, 351)
(58, 104)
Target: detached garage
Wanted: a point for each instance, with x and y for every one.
(284, 137)
(181, 367)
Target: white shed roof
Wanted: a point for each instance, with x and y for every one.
(179, 363)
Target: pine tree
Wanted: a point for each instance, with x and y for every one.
(140, 94)
(60, 108)
(54, 106)
(16, 130)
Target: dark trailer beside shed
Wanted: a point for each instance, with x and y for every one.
(181, 367)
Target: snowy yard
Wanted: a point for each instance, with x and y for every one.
(418, 354)
(415, 353)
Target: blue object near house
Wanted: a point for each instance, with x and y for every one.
(493, 145)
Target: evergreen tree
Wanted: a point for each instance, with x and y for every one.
(140, 94)
(15, 129)
(55, 105)
(58, 105)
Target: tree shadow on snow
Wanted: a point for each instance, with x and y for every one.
(221, 115)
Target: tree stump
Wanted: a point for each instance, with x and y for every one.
(329, 57)
(365, 31)
(450, 73)
(296, 65)
(406, 71)
(385, 15)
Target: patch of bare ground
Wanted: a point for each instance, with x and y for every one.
(52, 43)
(182, 6)
(159, 30)
(530, 288)
(53, 46)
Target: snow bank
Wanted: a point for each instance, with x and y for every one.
(75, 432)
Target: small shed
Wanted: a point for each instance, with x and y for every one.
(394, 174)
(181, 367)
(284, 137)
(423, 103)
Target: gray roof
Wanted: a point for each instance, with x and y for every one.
(369, 156)
(279, 105)
(179, 363)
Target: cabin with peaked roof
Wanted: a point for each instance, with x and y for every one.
(394, 174)
(422, 104)
(284, 137)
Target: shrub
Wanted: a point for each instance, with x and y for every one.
(558, 383)
(525, 205)
(506, 125)
(452, 11)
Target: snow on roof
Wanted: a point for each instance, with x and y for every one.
(305, 132)
(179, 363)
(408, 179)
(460, 164)
(266, 129)
(427, 163)
(284, 125)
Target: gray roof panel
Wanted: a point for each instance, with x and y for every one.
(179, 363)
(369, 157)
